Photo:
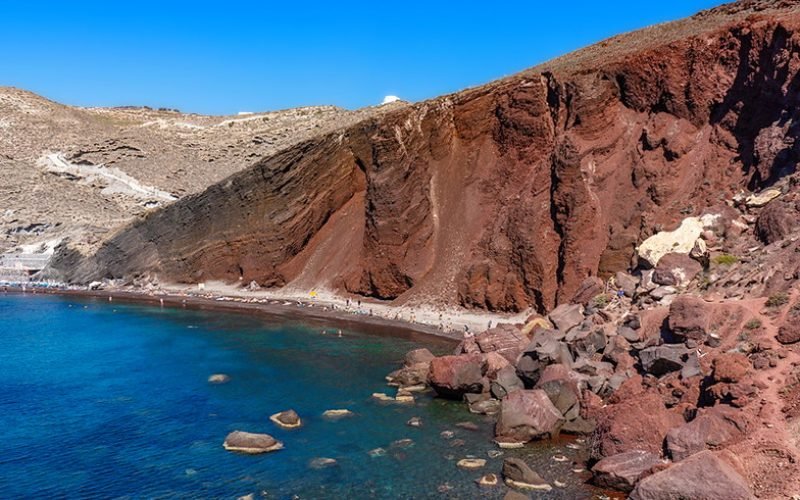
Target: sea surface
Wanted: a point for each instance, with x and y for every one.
(111, 400)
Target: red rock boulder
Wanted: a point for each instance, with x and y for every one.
(454, 376)
(676, 269)
(716, 427)
(701, 476)
(636, 423)
(622, 471)
(689, 318)
(527, 415)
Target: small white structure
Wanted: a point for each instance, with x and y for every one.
(390, 99)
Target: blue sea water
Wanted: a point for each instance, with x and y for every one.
(111, 400)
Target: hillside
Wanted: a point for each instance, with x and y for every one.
(503, 197)
(81, 173)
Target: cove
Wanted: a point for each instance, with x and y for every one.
(106, 399)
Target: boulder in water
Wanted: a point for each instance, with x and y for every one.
(252, 443)
(288, 419)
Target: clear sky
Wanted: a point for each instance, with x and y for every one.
(227, 56)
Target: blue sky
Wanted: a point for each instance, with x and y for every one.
(223, 57)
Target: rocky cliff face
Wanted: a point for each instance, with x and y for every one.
(507, 196)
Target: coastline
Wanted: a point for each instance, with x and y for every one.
(317, 315)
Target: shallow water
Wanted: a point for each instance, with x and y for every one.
(112, 400)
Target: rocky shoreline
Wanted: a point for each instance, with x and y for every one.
(682, 374)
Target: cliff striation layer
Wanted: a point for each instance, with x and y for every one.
(505, 196)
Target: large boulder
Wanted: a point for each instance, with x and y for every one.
(701, 476)
(454, 376)
(636, 423)
(681, 240)
(622, 471)
(589, 288)
(776, 221)
(626, 283)
(731, 367)
(789, 332)
(252, 443)
(527, 415)
(689, 318)
(676, 269)
(663, 359)
(567, 316)
(505, 382)
(562, 386)
(506, 340)
(545, 349)
(517, 474)
(714, 428)
(418, 356)
(288, 419)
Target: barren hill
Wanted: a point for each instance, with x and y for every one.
(83, 172)
(505, 196)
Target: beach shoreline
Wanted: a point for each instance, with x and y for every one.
(316, 315)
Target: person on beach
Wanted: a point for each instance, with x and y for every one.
(340, 334)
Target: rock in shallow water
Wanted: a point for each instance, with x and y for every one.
(288, 419)
(528, 415)
(339, 413)
(471, 463)
(517, 474)
(218, 378)
(252, 443)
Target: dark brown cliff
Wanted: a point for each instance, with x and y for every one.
(505, 196)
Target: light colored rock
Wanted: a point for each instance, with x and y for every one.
(471, 463)
(322, 463)
(622, 471)
(252, 443)
(337, 413)
(760, 199)
(219, 378)
(681, 240)
(488, 480)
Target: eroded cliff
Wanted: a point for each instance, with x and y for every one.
(506, 196)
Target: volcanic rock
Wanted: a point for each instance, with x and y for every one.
(703, 475)
(454, 376)
(676, 269)
(567, 316)
(689, 318)
(622, 471)
(714, 428)
(251, 443)
(636, 423)
(527, 415)
(287, 419)
(505, 382)
(518, 474)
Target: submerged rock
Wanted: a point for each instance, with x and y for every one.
(337, 413)
(517, 474)
(488, 480)
(322, 463)
(471, 463)
(252, 443)
(219, 378)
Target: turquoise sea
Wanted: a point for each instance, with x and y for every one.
(111, 400)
